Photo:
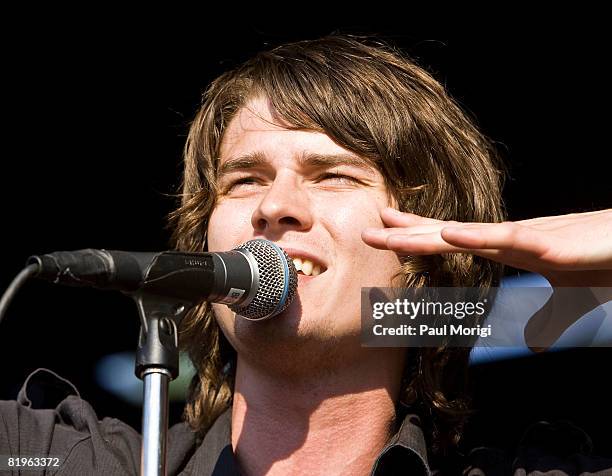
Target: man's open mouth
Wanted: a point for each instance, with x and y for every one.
(307, 267)
(307, 263)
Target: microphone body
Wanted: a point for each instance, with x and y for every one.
(256, 280)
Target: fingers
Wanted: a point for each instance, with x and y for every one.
(411, 234)
(549, 245)
(378, 237)
(498, 236)
(509, 243)
(394, 218)
(420, 244)
(415, 240)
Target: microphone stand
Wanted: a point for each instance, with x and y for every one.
(157, 363)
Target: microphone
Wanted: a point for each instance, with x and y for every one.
(257, 280)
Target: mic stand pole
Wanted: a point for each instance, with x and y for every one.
(157, 363)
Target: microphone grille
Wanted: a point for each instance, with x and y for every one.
(277, 281)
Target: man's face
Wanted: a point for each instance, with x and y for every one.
(283, 190)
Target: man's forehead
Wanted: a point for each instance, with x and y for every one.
(257, 115)
(256, 136)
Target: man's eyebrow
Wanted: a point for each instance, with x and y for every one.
(257, 159)
(244, 162)
(336, 160)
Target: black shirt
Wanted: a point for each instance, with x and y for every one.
(86, 446)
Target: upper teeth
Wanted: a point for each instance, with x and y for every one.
(306, 266)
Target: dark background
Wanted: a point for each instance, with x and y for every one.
(94, 122)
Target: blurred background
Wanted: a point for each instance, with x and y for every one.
(94, 122)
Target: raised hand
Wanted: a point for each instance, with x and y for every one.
(568, 250)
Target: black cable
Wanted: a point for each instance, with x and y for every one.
(10, 292)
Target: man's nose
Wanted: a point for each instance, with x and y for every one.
(285, 206)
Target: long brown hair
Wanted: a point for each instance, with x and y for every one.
(371, 99)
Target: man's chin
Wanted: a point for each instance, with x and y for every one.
(299, 355)
(286, 322)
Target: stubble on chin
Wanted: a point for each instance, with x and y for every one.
(298, 350)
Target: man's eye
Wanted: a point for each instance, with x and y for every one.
(339, 177)
(244, 180)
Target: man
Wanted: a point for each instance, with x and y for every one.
(308, 146)
(316, 146)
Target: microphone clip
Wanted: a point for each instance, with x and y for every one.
(158, 345)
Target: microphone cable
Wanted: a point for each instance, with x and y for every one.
(25, 274)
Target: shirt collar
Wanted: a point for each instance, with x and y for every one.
(406, 450)
(215, 455)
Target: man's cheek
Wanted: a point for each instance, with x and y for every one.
(228, 228)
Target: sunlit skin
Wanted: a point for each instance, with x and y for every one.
(303, 378)
(569, 250)
(303, 381)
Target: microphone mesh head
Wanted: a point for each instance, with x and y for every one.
(277, 281)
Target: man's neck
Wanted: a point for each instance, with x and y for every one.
(333, 422)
